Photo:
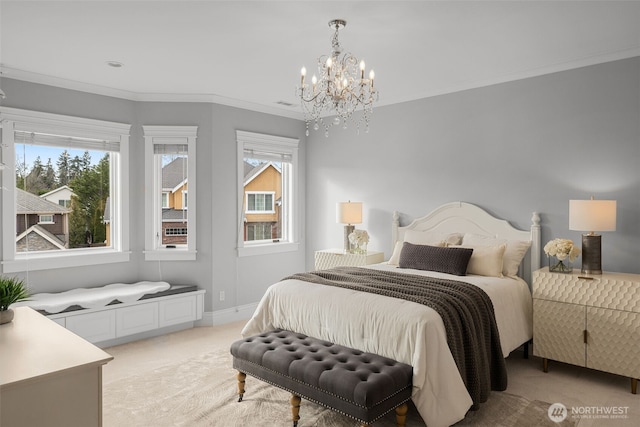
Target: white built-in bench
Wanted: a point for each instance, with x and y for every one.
(115, 322)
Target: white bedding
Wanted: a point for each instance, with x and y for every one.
(405, 331)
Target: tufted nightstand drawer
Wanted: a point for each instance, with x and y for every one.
(616, 291)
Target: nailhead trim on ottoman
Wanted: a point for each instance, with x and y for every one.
(361, 385)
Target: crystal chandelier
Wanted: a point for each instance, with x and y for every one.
(341, 90)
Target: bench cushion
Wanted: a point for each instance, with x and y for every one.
(361, 385)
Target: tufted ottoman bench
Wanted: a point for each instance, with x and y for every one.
(363, 386)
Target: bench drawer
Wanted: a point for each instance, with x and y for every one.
(137, 318)
(177, 310)
(94, 327)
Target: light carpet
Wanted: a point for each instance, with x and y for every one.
(202, 391)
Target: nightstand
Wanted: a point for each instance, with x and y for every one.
(590, 321)
(330, 258)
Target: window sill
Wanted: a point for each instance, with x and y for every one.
(170, 255)
(34, 262)
(267, 248)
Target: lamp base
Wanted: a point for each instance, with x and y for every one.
(591, 254)
(348, 247)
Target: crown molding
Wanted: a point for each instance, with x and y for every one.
(27, 76)
(574, 63)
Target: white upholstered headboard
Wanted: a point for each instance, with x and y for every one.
(462, 217)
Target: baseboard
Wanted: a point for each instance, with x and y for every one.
(228, 315)
(144, 335)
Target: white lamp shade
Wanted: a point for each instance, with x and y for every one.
(592, 215)
(349, 212)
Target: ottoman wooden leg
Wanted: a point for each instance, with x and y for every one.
(241, 379)
(401, 414)
(295, 409)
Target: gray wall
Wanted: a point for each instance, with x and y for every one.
(217, 268)
(513, 148)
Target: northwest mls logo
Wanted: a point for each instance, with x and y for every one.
(557, 412)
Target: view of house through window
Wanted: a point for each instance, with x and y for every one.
(264, 201)
(62, 193)
(173, 163)
(267, 193)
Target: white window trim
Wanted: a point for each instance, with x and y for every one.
(269, 143)
(153, 195)
(267, 211)
(165, 193)
(14, 119)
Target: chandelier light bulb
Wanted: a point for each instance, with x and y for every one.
(314, 79)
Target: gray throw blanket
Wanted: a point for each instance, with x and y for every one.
(466, 310)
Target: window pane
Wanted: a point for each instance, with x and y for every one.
(263, 189)
(173, 193)
(62, 196)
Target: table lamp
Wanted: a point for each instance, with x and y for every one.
(348, 213)
(592, 216)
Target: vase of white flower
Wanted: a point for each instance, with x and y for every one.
(561, 253)
(359, 240)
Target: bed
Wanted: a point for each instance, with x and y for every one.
(410, 332)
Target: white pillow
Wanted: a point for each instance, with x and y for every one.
(485, 260)
(395, 256)
(397, 250)
(513, 255)
(431, 238)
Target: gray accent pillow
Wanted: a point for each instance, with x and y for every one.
(434, 258)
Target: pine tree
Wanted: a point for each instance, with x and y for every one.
(91, 188)
(63, 164)
(49, 177)
(34, 181)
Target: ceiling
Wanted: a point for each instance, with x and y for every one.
(249, 53)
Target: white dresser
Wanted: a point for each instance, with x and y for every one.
(330, 258)
(48, 375)
(590, 321)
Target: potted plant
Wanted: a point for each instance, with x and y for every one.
(12, 290)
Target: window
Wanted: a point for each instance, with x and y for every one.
(259, 231)
(170, 170)
(44, 153)
(175, 231)
(45, 219)
(267, 193)
(260, 202)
